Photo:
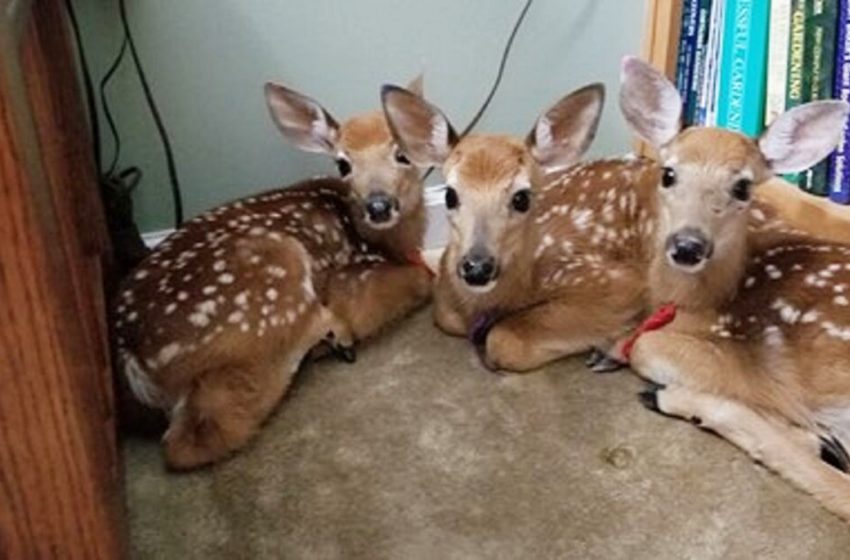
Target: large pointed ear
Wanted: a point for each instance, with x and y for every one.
(417, 85)
(651, 104)
(302, 120)
(421, 130)
(563, 133)
(801, 137)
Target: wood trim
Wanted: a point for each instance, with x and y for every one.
(661, 43)
(60, 483)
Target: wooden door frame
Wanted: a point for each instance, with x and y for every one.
(60, 477)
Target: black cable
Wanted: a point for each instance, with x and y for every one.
(107, 112)
(163, 134)
(87, 82)
(494, 88)
(504, 61)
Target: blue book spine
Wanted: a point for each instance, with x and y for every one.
(743, 66)
(698, 75)
(839, 173)
(687, 44)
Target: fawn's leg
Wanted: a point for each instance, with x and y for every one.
(771, 441)
(719, 367)
(226, 406)
(369, 296)
(529, 339)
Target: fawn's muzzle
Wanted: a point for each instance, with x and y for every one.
(380, 207)
(689, 248)
(478, 269)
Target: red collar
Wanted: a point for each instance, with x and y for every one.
(661, 317)
(415, 258)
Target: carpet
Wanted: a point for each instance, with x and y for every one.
(417, 452)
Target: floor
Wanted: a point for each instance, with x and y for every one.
(416, 452)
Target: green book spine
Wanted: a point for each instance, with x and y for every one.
(796, 59)
(821, 26)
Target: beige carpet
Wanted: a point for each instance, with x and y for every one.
(416, 452)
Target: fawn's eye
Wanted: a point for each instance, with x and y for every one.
(521, 201)
(668, 177)
(344, 166)
(452, 200)
(742, 189)
(400, 158)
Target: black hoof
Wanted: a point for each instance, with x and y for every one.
(345, 353)
(834, 454)
(594, 357)
(649, 399)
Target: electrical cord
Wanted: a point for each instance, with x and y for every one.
(500, 73)
(163, 134)
(87, 84)
(107, 112)
(503, 62)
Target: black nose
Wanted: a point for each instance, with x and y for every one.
(379, 207)
(689, 247)
(477, 269)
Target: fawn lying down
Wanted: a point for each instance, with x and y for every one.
(546, 257)
(759, 350)
(213, 325)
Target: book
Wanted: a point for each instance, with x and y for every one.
(698, 75)
(777, 59)
(687, 52)
(839, 173)
(743, 64)
(796, 57)
(707, 113)
(819, 59)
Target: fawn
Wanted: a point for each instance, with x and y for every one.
(213, 325)
(759, 349)
(546, 258)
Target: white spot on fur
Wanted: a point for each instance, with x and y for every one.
(199, 319)
(226, 278)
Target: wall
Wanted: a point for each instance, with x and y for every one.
(207, 60)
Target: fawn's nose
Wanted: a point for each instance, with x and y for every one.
(478, 269)
(689, 247)
(380, 206)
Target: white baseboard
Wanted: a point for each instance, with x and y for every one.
(154, 238)
(435, 237)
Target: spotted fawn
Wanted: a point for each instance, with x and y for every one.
(213, 325)
(759, 350)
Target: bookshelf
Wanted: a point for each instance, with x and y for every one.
(660, 47)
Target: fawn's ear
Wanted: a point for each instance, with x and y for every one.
(803, 136)
(649, 102)
(564, 132)
(417, 85)
(302, 120)
(421, 130)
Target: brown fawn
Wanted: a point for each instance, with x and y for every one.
(546, 258)
(759, 349)
(213, 325)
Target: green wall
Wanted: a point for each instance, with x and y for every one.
(207, 60)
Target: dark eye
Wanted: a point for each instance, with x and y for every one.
(742, 189)
(452, 201)
(668, 177)
(401, 158)
(521, 200)
(344, 167)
